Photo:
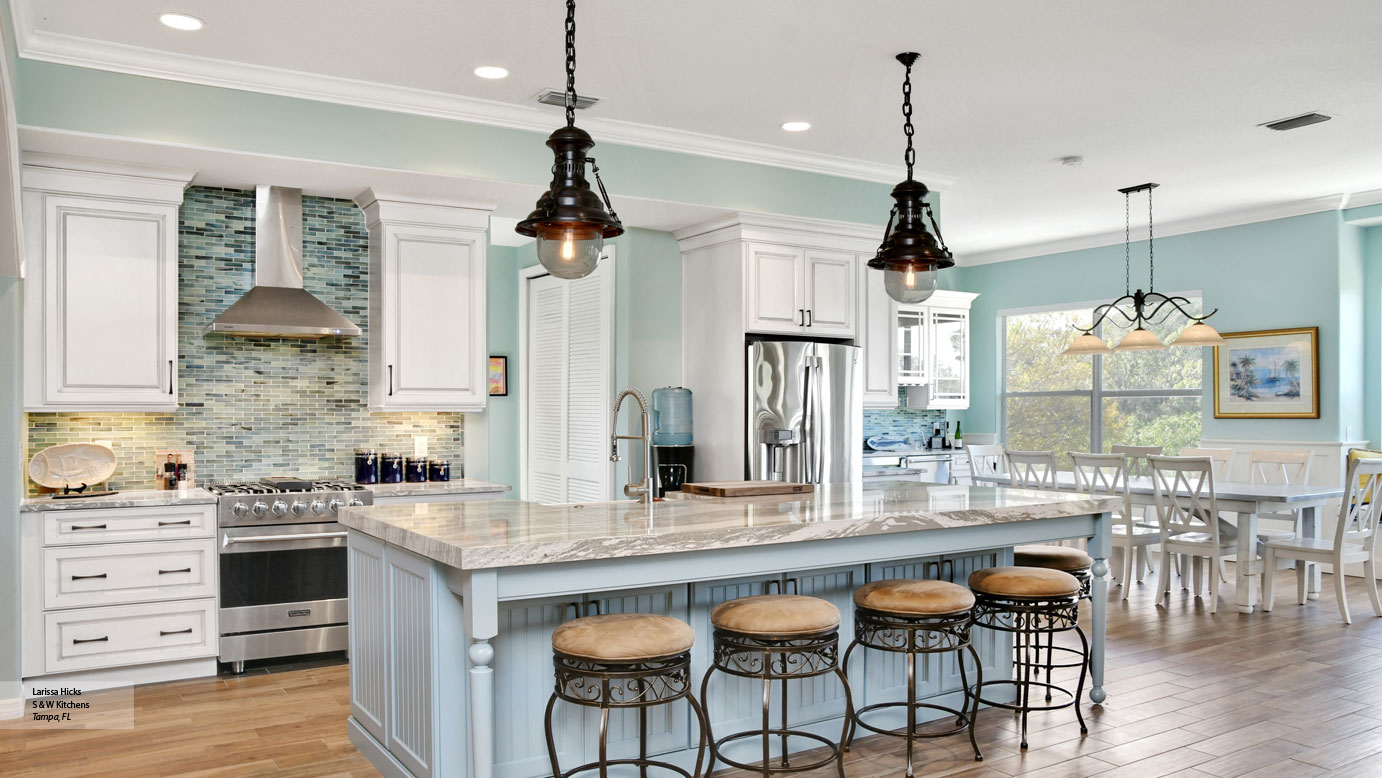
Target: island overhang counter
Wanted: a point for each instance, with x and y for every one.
(452, 605)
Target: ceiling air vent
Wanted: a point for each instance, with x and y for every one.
(1293, 122)
(557, 97)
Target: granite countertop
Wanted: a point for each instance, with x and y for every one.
(130, 499)
(510, 533)
(421, 488)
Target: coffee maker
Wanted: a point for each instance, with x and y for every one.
(672, 468)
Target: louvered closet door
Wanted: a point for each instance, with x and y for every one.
(570, 357)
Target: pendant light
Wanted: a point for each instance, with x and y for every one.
(570, 221)
(910, 255)
(1141, 338)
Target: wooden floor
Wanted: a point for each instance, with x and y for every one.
(1293, 693)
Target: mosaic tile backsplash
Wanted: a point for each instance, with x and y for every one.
(900, 420)
(252, 407)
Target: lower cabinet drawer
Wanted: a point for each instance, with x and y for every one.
(118, 573)
(90, 638)
(107, 525)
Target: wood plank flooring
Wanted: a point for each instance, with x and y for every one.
(1289, 694)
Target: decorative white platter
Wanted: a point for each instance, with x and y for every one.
(72, 464)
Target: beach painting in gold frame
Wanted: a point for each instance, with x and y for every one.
(1268, 374)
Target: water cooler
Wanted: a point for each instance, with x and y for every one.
(673, 452)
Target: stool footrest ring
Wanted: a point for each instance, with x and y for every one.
(779, 767)
(902, 732)
(979, 693)
(634, 762)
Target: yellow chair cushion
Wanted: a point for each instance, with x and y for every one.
(776, 615)
(914, 597)
(1034, 582)
(1362, 453)
(623, 637)
(1052, 557)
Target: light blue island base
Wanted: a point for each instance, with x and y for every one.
(452, 609)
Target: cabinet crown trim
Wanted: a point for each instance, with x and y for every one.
(789, 230)
(81, 176)
(395, 208)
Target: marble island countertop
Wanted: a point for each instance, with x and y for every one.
(510, 533)
(134, 498)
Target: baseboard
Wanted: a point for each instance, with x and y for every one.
(136, 675)
(374, 751)
(11, 707)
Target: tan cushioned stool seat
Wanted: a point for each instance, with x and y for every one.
(623, 637)
(776, 615)
(914, 597)
(1024, 582)
(1053, 557)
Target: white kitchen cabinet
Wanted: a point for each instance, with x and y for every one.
(101, 303)
(427, 336)
(829, 293)
(878, 339)
(933, 348)
(796, 290)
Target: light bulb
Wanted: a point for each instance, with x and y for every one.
(568, 246)
(911, 283)
(569, 250)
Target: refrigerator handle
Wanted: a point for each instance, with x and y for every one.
(818, 450)
(808, 426)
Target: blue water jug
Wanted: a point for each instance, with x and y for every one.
(672, 414)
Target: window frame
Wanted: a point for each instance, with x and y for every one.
(1096, 393)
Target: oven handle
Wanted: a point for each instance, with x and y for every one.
(233, 539)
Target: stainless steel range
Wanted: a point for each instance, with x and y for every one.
(283, 567)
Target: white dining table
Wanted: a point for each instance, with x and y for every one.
(1247, 501)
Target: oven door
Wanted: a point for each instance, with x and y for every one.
(282, 577)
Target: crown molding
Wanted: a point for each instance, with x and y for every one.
(1197, 224)
(121, 58)
(774, 228)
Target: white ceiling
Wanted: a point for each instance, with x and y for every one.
(1168, 91)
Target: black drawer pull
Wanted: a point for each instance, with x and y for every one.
(89, 640)
(166, 633)
(170, 572)
(84, 577)
(87, 526)
(184, 522)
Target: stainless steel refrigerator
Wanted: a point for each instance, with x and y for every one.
(805, 412)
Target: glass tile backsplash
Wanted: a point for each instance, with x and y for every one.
(900, 420)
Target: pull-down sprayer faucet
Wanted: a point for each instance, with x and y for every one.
(645, 491)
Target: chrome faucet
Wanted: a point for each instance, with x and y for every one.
(645, 491)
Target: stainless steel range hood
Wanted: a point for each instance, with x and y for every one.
(278, 305)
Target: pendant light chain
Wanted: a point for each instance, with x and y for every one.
(1127, 243)
(907, 129)
(1151, 252)
(570, 63)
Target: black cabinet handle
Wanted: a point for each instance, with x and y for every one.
(89, 640)
(795, 584)
(166, 633)
(574, 607)
(171, 389)
(84, 577)
(170, 572)
(951, 563)
(187, 522)
(87, 526)
(801, 314)
(596, 603)
(391, 380)
(767, 586)
(810, 318)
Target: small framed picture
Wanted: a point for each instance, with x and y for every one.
(1268, 374)
(498, 376)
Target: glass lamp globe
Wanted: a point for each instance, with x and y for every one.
(910, 283)
(569, 250)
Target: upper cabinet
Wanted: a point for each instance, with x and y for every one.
(796, 290)
(101, 296)
(427, 336)
(933, 348)
(878, 337)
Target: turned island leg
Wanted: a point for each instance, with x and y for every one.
(1100, 546)
(481, 603)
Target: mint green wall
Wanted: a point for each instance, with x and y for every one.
(85, 100)
(11, 426)
(1372, 335)
(1351, 316)
(1282, 273)
(502, 322)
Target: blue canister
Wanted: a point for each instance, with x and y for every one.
(438, 470)
(672, 414)
(366, 466)
(415, 469)
(390, 468)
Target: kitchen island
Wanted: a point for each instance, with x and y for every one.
(452, 606)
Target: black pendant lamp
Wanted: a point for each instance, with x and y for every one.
(910, 254)
(570, 221)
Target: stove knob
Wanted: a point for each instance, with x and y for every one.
(354, 502)
(318, 507)
(240, 510)
(299, 507)
(280, 508)
(334, 505)
(260, 509)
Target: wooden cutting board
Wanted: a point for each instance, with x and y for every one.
(746, 488)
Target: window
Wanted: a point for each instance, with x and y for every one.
(1145, 398)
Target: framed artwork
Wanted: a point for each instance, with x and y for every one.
(1268, 374)
(498, 376)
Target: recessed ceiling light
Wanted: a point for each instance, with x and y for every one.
(796, 126)
(181, 22)
(1293, 122)
(491, 71)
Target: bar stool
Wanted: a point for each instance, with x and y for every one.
(915, 616)
(1029, 602)
(1069, 560)
(777, 637)
(623, 660)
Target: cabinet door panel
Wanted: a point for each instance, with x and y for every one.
(830, 300)
(949, 331)
(523, 681)
(823, 697)
(878, 335)
(731, 703)
(369, 647)
(886, 672)
(408, 726)
(775, 289)
(913, 358)
(993, 647)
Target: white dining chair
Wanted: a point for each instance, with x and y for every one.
(1222, 457)
(985, 459)
(1353, 542)
(1107, 474)
(1282, 468)
(1188, 512)
(1137, 457)
(1032, 469)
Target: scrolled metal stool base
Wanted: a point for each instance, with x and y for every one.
(771, 658)
(910, 636)
(1028, 619)
(615, 685)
